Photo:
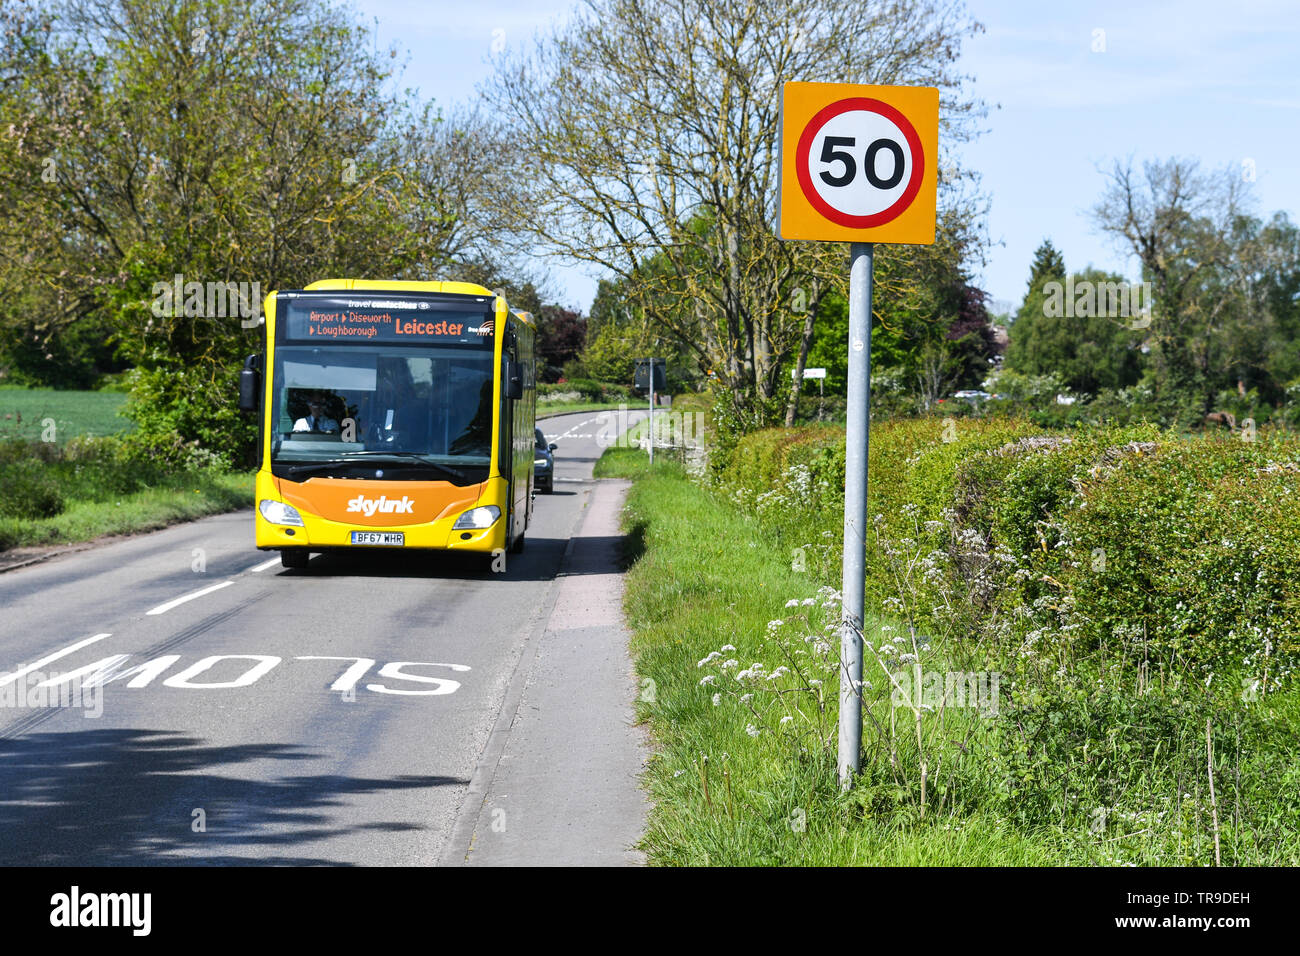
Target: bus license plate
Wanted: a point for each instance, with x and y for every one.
(397, 538)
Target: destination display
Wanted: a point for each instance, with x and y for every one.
(392, 319)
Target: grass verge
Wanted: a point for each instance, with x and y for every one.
(182, 498)
(744, 708)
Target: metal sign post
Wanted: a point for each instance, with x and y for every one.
(857, 165)
(856, 438)
(820, 375)
(652, 413)
(649, 372)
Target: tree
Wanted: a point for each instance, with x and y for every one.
(619, 332)
(930, 331)
(561, 335)
(1089, 353)
(1183, 225)
(1277, 290)
(649, 129)
(228, 143)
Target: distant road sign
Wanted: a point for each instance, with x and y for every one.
(858, 163)
(811, 373)
(641, 379)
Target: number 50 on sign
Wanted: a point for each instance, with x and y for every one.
(858, 163)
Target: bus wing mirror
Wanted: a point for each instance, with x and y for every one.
(514, 380)
(250, 381)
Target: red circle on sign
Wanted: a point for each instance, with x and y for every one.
(805, 176)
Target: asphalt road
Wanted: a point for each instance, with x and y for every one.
(330, 716)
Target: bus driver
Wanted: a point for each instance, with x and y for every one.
(316, 420)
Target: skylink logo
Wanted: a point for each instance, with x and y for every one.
(369, 506)
(102, 909)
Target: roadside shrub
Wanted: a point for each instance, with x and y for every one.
(584, 389)
(28, 490)
(188, 419)
(1125, 542)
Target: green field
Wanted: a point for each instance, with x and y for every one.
(54, 490)
(24, 411)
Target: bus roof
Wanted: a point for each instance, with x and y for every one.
(398, 285)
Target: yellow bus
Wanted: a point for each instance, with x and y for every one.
(392, 415)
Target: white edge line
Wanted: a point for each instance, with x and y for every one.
(23, 671)
(164, 608)
(263, 566)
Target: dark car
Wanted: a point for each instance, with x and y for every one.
(543, 463)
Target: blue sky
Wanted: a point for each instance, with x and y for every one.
(1206, 80)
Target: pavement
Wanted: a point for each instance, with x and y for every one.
(372, 709)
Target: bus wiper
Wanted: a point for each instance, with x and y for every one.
(297, 470)
(403, 457)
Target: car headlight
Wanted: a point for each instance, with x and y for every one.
(277, 512)
(481, 517)
(539, 462)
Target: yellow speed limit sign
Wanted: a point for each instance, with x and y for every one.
(858, 163)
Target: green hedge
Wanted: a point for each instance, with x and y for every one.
(588, 389)
(27, 490)
(112, 484)
(36, 478)
(1127, 542)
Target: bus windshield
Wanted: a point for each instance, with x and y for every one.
(370, 403)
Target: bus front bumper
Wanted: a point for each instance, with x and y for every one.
(318, 533)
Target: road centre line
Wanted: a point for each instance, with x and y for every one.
(164, 608)
(24, 671)
(263, 566)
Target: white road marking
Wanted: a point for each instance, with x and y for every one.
(265, 662)
(24, 671)
(164, 608)
(394, 671)
(349, 678)
(263, 566)
(603, 419)
(110, 669)
(115, 668)
(571, 431)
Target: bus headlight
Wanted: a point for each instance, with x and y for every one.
(478, 518)
(277, 512)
